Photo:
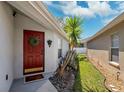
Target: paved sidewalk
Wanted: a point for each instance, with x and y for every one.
(47, 87)
(43, 85)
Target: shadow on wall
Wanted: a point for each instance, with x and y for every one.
(98, 47)
(102, 56)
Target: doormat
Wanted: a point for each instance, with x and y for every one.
(33, 77)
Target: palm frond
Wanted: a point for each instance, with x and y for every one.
(73, 29)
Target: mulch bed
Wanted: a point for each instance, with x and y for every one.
(64, 84)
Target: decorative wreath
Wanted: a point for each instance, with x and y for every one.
(33, 41)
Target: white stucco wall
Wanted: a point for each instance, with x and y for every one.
(6, 46)
(24, 23)
(64, 45)
(11, 45)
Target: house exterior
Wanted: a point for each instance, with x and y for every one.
(107, 47)
(26, 28)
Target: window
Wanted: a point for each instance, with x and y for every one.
(114, 48)
(59, 48)
(59, 53)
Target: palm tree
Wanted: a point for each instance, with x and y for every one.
(73, 29)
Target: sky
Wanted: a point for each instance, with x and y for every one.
(95, 14)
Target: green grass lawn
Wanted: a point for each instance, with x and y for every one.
(88, 78)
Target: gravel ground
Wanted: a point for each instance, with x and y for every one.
(64, 84)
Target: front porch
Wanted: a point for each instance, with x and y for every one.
(43, 85)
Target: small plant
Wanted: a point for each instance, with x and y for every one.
(82, 57)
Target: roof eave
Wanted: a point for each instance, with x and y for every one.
(114, 22)
(38, 12)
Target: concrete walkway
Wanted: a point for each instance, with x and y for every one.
(47, 87)
(43, 85)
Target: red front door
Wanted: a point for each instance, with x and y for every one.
(33, 52)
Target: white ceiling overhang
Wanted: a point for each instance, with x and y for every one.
(37, 11)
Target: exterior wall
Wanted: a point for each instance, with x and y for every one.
(121, 54)
(6, 46)
(64, 46)
(11, 46)
(24, 23)
(99, 47)
(85, 44)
